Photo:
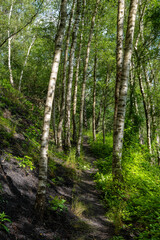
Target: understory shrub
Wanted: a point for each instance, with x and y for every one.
(134, 204)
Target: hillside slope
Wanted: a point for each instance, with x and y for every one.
(67, 215)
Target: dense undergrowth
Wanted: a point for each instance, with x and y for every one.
(20, 123)
(135, 204)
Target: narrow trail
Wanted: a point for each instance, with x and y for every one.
(88, 194)
(19, 192)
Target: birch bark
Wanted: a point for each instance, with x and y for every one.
(119, 55)
(104, 106)
(70, 78)
(99, 116)
(94, 100)
(146, 110)
(43, 162)
(76, 87)
(25, 63)
(62, 111)
(119, 123)
(9, 46)
(78, 148)
(54, 123)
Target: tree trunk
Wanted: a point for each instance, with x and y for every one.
(84, 80)
(62, 111)
(85, 122)
(43, 162)
(147, 114)
(104, 106)
(76, 85)
(158, 148)
(25, 63)
(54, 123)
(119, 55)
(120, 117)
(94, 101)
(9, 46)
(99, 116)
(70, 78)
(141, 140)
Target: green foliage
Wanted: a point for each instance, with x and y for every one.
(117, 238)
(25, 162)
(52, 167)
(33, 132)
(78, 207)
(71, 159)
(75, 162)
(57, 204)
(102, 150)
(22, 117)
(135, 204)
(3, 219)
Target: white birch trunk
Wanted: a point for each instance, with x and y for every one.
(158, 148)
(54, 123)
(104, 106)
(147, 114)
(84, 80)
(94, 101)
(141, 140)
(25, 63)
(9, 46)
(60, 124)
(43, 162)
(99, 116)
(70, 78)
(76, 87)
(119, 55)
(119, 126)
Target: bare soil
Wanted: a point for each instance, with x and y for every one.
(18, 196)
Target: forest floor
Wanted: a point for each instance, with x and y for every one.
(84, 219)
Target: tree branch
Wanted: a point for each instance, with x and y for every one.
(19, 30)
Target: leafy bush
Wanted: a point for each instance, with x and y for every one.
(3, 219)
(25, 162)
(57, 204)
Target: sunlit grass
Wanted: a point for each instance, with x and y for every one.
(78, 208)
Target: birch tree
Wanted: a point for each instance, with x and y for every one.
(62, 111)
(78, 148)
(120, 117)
(94, 100)
(70, 77)
(9, 46)
(76, 84)
(43, 161)
(25, 63)
(119, 54)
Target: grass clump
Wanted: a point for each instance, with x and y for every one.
(78, 207)
(77, 163)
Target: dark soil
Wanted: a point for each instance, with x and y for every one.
(18, 197)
